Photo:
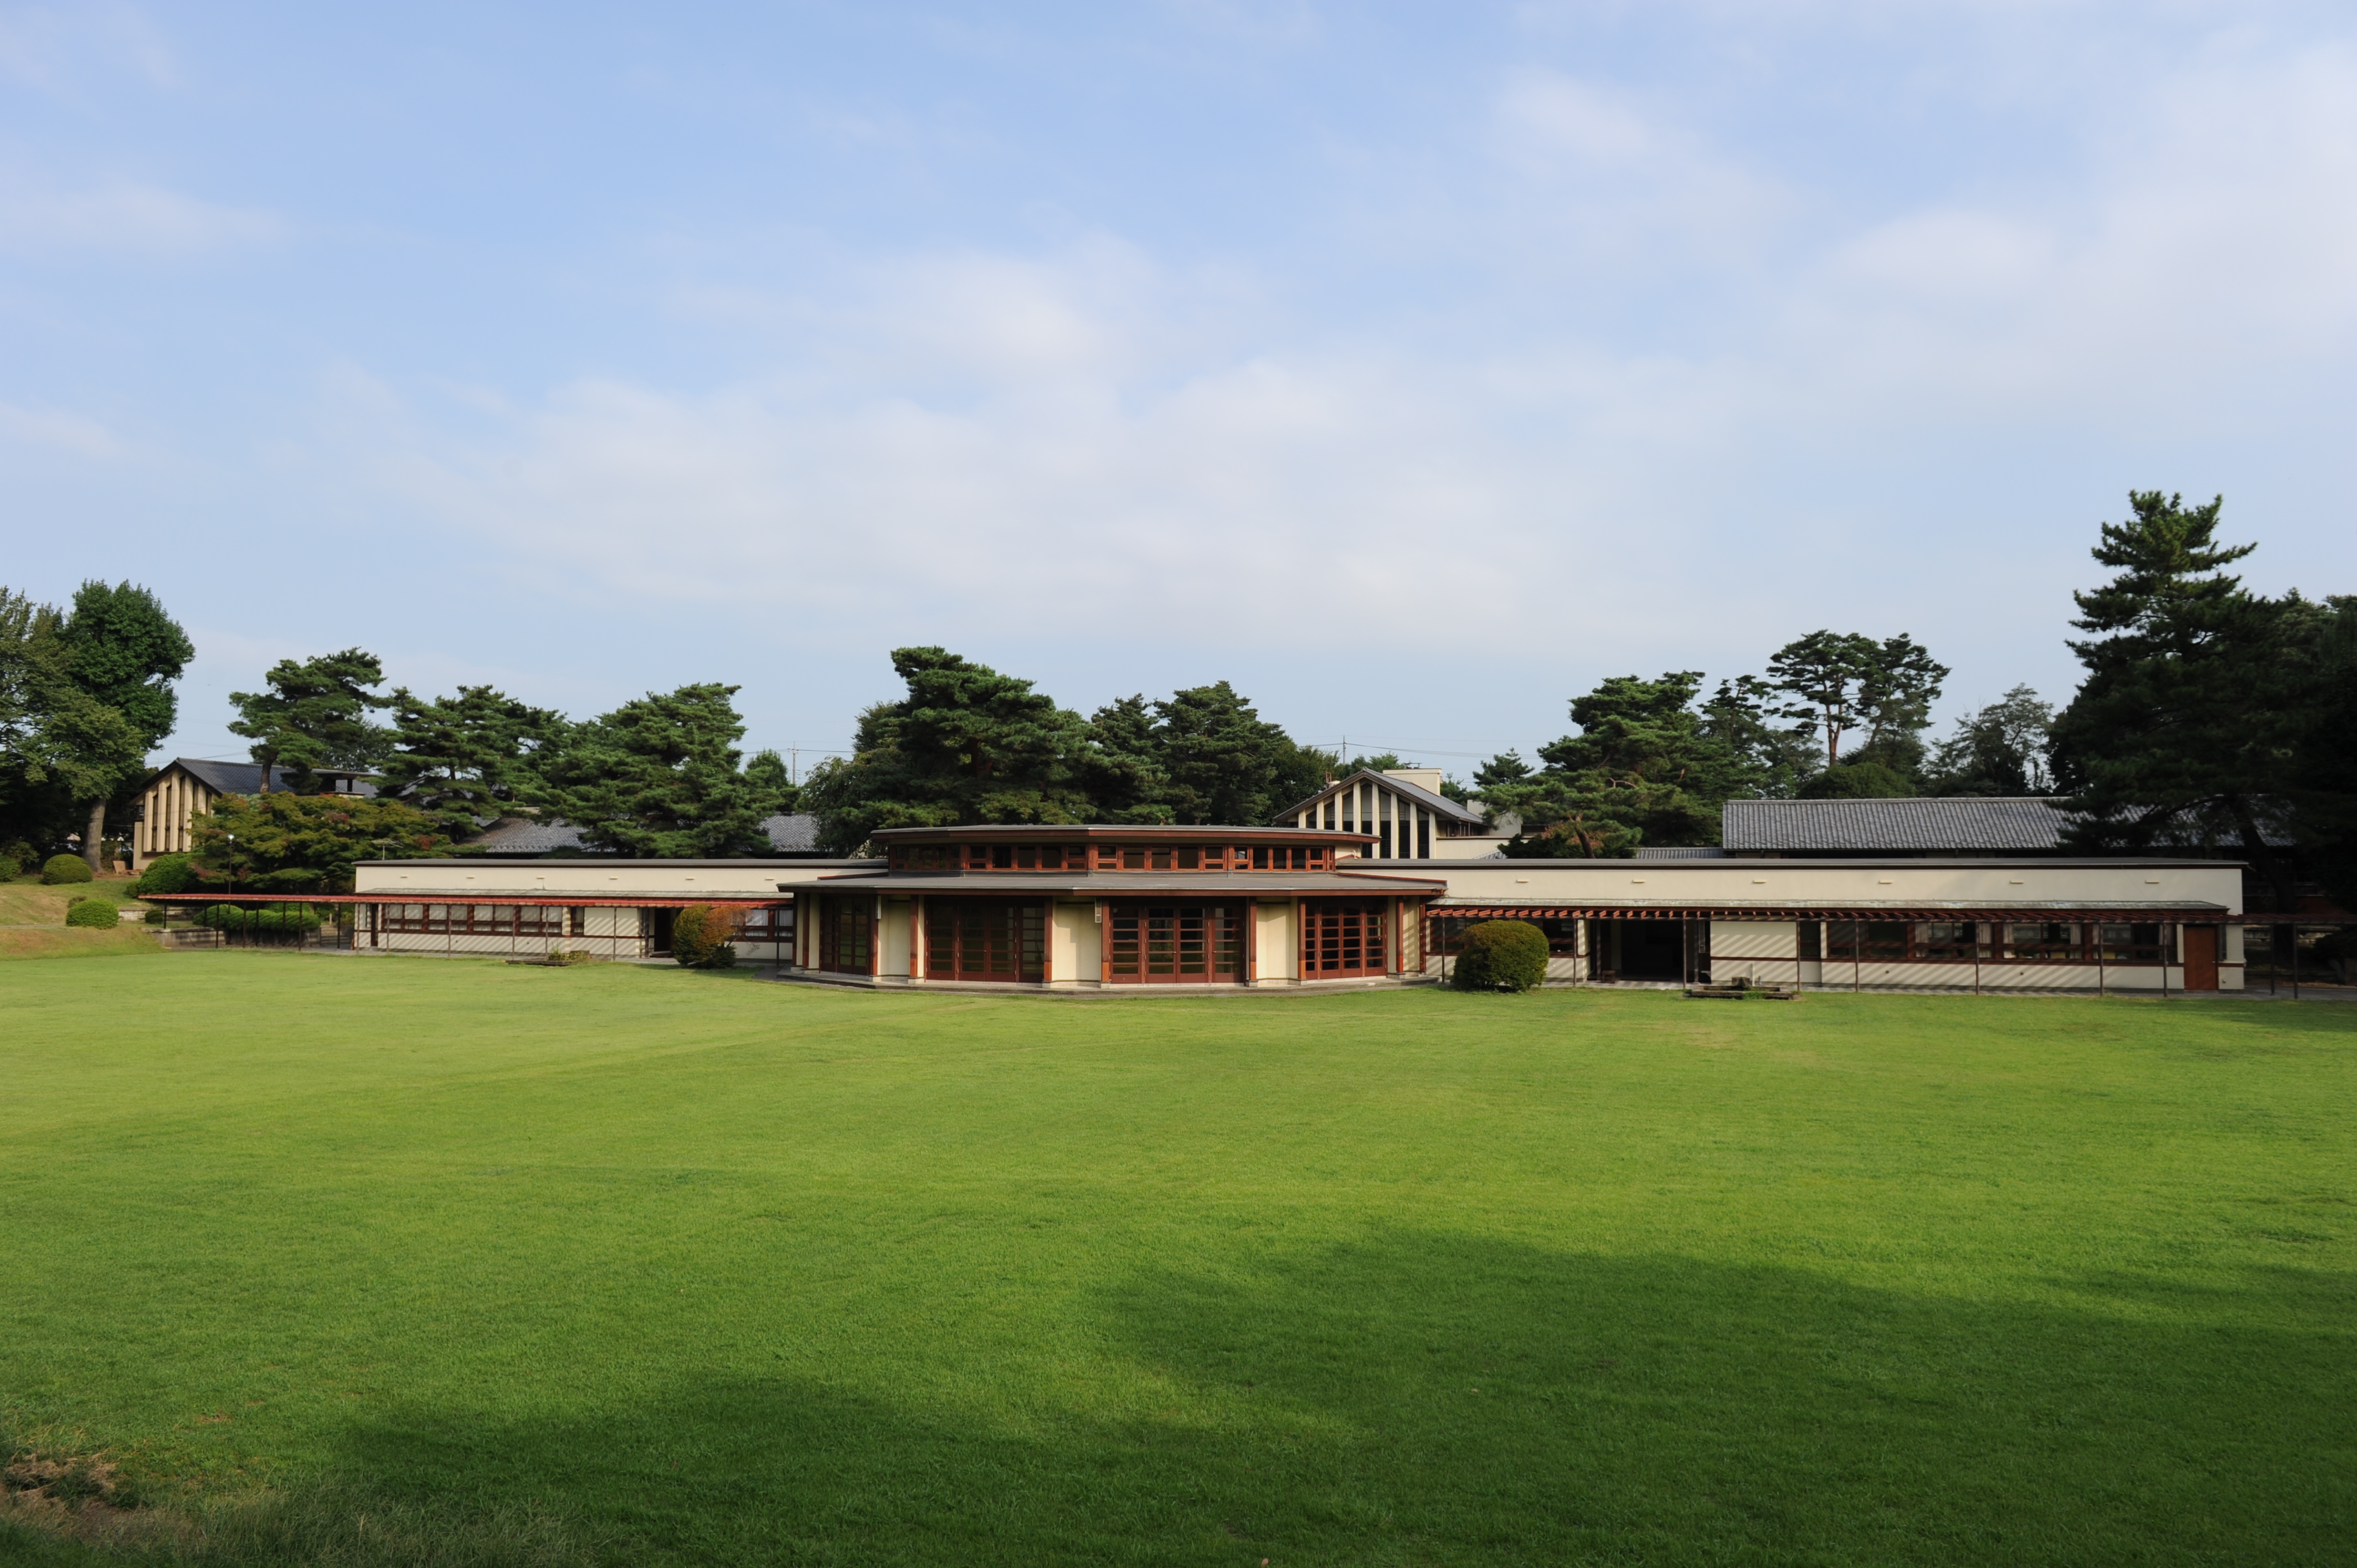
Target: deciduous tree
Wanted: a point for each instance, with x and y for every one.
(286, 843)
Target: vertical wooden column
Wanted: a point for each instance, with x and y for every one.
(1105, 945)
(875, 937)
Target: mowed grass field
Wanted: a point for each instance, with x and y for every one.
(351, 1259)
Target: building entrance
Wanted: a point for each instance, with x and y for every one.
(1174, 944)
(1002, 939)
(1640, 949)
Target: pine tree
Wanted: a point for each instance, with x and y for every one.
(659, 777)
(966, 744)
(2190, 717)
(314, 716)
(466, 760)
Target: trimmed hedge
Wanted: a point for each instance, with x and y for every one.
(98, 912)
(259, 922)
(166, 874)
(697, 939)
(1501, 955)
(63, 868)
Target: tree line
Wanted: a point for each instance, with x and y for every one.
(2210, 716)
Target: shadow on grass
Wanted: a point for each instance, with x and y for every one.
(1423, 1398)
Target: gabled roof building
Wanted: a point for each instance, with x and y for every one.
(1403, 810)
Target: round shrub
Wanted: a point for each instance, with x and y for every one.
(98, 912)
(166, 874)
(10, 869)
(699, 939)
(62, 868)
(1856, 781)
(1501, 955)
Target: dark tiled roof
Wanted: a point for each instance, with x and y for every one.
(245, 778)
(1943, 822)
(1136, 884)
(522, 836)
(795, 832)
(1963, 823)
(1681, 851)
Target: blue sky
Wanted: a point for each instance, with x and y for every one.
(1412, 367)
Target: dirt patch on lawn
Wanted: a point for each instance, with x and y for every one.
(84, 1496)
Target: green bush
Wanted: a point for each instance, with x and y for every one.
(698, 938)
(62, 868)
(1861, 780)
(10, 868)
(98, 912)
(1501, 955)
(273, 921)
(166, 874)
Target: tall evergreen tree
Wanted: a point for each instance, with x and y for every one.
(774, 791)
(467, 758)
(966, 744)
(658, 778)
(1842, 683)
(1645, 769)
(2325, 782)
(313, 716)
(2000, 750)
(1770, 760)
(2190, 718)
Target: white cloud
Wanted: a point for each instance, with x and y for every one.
(1095, 442)
(121, 216)
(59, 431)
(47, 47)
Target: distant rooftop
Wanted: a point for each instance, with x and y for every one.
(795, 834)
(2001, 824)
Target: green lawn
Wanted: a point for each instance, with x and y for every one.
(33, 921)
(427, 1262)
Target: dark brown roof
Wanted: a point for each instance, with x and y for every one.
(1048, 832)
(1129, 883)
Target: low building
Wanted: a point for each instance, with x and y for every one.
(1086, 907)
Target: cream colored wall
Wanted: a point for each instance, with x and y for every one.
(1764, 951)
(162, 828)
(1465, 848)
(484, 880)
(1277, 944)
(1808, 882)
(1076, 951)
(893, 938)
